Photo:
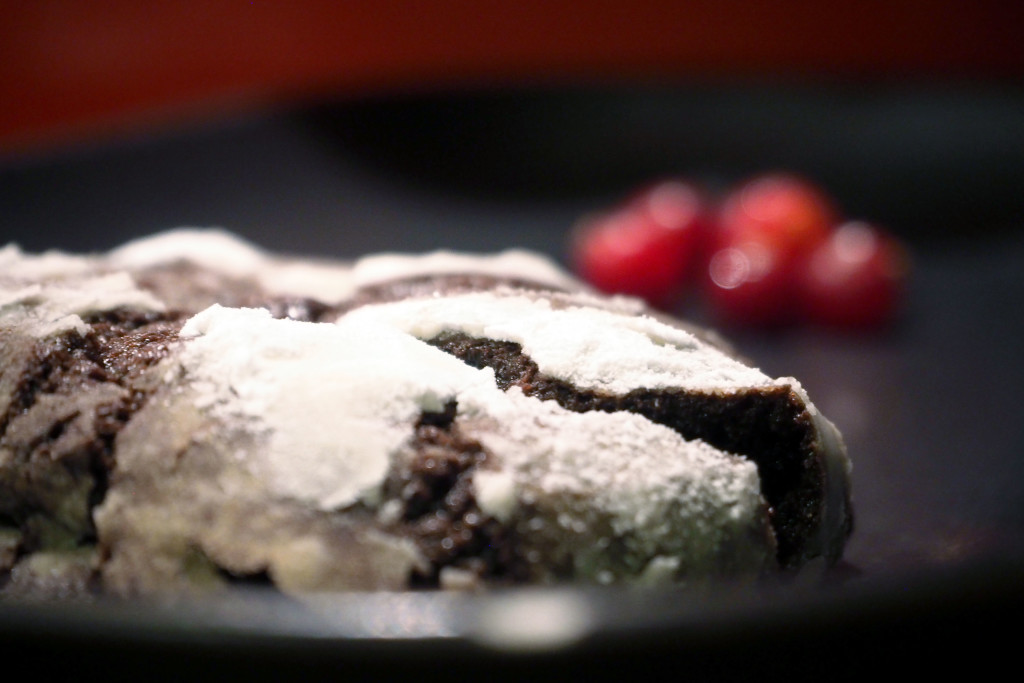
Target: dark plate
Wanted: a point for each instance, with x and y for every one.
(930, 409)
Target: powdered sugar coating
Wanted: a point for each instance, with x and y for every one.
(594, 477)
(337, 404)
(378, 268)
(328, 281)
(590, 347)
(17, 265)
(217, 250)
(336, 401)
(44, 309)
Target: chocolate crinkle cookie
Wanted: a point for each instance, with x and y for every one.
(188, 413)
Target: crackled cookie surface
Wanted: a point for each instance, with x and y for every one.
(188, 412)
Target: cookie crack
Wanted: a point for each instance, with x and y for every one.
(439, 510)
(769, 426)
(117, 348)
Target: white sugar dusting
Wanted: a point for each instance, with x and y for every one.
(338, 403)
(336, 400)
(329, 281)
(217, 250)
(495, 493)
(593, 348)
(57, 307)
(513, 262)
(621, 461)
(334, 404)
(17, 265)
(658, 493)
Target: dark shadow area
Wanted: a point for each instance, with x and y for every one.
(929, 160)
(934, 162)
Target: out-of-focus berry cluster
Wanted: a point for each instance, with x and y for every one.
(772, 251)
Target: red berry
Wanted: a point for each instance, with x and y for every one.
(784, 211)
(647, 247)
(766, 228)
(855, 279)
(748, 284)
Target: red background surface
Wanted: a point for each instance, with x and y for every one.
(70, 69)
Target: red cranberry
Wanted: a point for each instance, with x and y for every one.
(789, 213)
(645, 248)
(748, 284)
(855, 279)
(766, 228)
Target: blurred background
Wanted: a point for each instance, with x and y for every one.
(338, 128)
(348, 126)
